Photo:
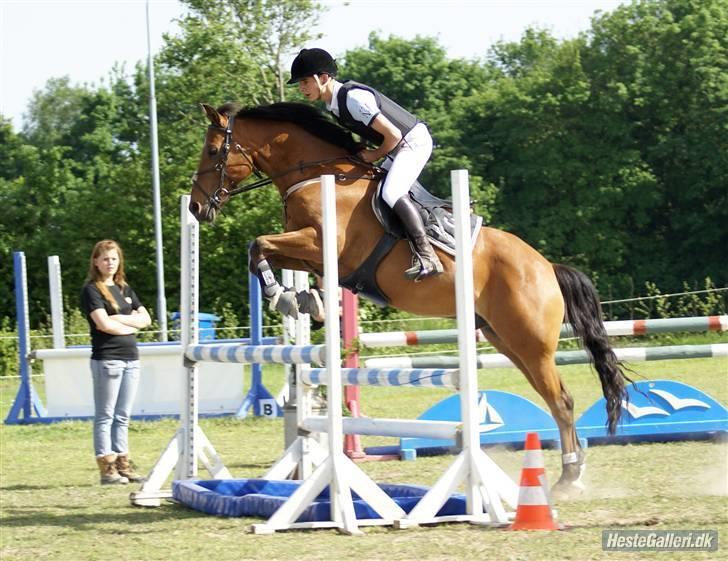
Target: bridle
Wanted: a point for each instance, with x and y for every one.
(224, 191)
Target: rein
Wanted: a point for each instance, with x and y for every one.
(374, 173)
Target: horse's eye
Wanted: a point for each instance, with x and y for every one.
(212, 150)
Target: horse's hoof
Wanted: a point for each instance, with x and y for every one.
(310, 302)
(286, 303)
(566, 490)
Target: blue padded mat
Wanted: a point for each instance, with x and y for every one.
(262, 497)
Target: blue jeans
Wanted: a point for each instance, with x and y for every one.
(115, 386)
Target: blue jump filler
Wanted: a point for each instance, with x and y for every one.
(658, 411)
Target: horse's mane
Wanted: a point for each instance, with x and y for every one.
(308, 117)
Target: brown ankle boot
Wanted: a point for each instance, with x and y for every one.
(109, 473)
(428, 262)
(125, 468)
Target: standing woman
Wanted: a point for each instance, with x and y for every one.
(114, 314)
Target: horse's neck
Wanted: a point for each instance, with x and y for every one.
(287, 154)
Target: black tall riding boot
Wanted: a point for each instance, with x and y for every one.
(429, 264)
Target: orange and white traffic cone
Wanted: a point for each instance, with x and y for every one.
(534, 509)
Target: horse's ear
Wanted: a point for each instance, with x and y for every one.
(214, 117)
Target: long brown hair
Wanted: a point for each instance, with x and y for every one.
(94, 275)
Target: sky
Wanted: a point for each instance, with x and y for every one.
(83, 39)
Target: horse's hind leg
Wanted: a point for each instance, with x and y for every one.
(502, 348)
(544, 378)
(525, 326)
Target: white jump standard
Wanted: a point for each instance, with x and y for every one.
(489, 491)
(189, 444)
(336, 471)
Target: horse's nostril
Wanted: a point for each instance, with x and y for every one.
(195, 208)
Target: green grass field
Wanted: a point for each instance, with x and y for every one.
(53, 508)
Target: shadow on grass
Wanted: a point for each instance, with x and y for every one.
(125, 520)
(23, 487)
(649, 521)
(262, 466)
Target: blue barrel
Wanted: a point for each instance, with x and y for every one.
(206, 323)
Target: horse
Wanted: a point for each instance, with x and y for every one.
(521, 299)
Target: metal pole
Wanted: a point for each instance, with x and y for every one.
(161, 298)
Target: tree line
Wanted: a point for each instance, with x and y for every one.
(608, 151)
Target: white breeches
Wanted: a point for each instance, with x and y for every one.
(405, 168)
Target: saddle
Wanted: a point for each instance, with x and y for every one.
(439, 224)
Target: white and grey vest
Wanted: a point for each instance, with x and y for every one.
(399, 116)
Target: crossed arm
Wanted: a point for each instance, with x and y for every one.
(121, 324)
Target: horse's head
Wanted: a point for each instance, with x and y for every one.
(223, 164)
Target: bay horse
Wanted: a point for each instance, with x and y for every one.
(521, 299)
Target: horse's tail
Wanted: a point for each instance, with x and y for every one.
(584, 312)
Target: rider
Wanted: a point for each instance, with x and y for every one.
(401, 138)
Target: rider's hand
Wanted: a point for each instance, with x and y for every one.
(369, 156)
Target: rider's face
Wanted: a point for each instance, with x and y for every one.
(311, 87)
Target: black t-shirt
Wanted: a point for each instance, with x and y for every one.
(105, 346)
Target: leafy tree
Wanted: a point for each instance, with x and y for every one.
(263, 33)
(661, 67)
(530, 136)
(213, 61)
(66, 194)
(609, 151)
(53, 111)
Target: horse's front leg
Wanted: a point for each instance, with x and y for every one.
(291, 249)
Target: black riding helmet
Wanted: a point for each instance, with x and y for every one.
(310, 62)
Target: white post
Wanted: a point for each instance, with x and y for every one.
(466, 327)
(190, 335)
(289, 336)
(56, 290)
(340, 493)
(311, 449)
(486, 485)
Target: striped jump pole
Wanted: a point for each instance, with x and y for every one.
(495, 360)
(416, 377)
(614, 329)
(665, 325)
(257, 354)
(413, 338)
